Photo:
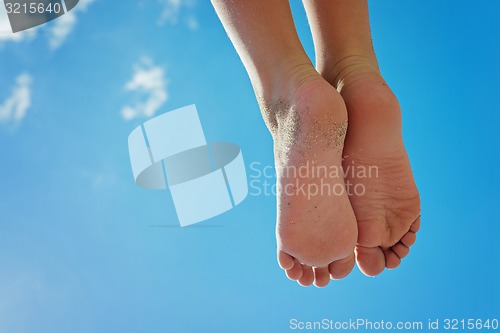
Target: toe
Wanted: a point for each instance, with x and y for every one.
(285, 260)
(371, 260)
(371, 233)
(307, 277)
(295, 272)
(341, 268)
(391, 259)
(401, 250)
(409, 239)
(415, 226)
(321, 276)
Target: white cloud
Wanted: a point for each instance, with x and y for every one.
(14, 108)
(57, 30)
(172, 12)
(65, 24)
(149, 80)
(192, 23)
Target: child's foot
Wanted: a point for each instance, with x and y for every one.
(379, 179)
(316, 227)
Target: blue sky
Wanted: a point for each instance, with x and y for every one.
(83, 249)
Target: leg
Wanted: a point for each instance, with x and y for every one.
(388, 212)
(316, 232)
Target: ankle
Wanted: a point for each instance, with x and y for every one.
(280, 82)
(343, 71)
(307, 98)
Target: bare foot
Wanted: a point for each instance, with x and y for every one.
(379, 179)
(316, 227)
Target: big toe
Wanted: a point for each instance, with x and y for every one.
(321, 276)
(370, 260)
(341, 268)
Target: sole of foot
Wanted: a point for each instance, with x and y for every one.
(386, 202)
(316, 226)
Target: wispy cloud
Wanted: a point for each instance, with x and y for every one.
(65, 24)
(170, 12)
(149, 81)
(173, 13)
(192, 23)
(14, 108)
